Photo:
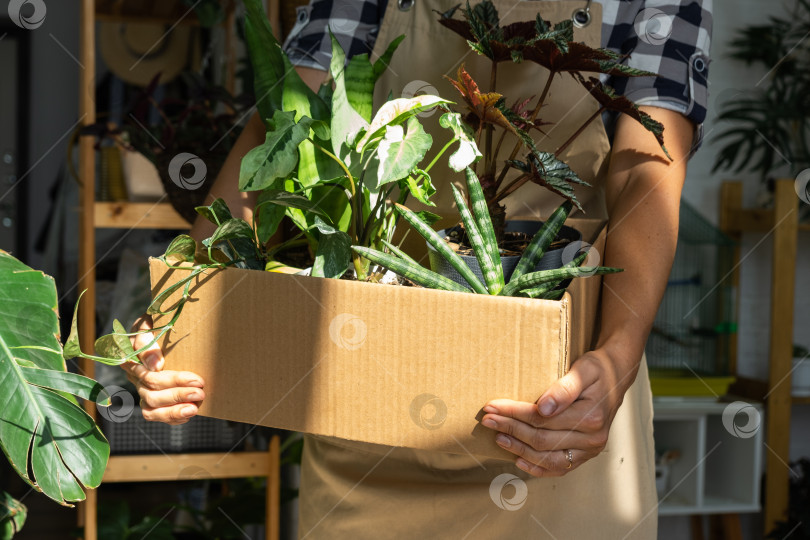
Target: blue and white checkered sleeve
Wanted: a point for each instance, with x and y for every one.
(354, 23)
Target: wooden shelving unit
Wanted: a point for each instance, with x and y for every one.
(93, 215)
(781, 222)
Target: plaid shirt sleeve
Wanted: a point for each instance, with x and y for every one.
(354, 23)
(668, 37)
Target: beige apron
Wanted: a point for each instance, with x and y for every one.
(357, 490)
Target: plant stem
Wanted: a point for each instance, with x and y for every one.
(579, 131)
(441, 152)
(509, 189)
(532, 118)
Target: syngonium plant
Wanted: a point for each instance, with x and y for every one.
(552, 47)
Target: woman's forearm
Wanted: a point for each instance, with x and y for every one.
(643, 194)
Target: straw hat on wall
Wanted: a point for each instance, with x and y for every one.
(136, 51)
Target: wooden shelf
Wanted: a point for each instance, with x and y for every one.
(804, 400)
(127, 215)
(804, 226)
(169, 467)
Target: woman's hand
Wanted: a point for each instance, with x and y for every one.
(172, 397)
(574, 415)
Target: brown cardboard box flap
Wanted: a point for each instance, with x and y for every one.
(400, 366)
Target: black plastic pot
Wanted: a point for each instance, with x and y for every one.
(552, 259)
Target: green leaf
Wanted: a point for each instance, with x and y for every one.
(217, 213)
(493, 279)
(278, 156)
(334, 253)
(467, 152)
(292, 200)
(395, 112)
(181, 249)
(422, 190)
(12, 516)
(438, 243)
(268, 216)
(266, 58)
(360, 85)
(382, 62)
(116, 345)
(50, 442)
(428, 217)
(64, 381)
(400, 152)
(480, 210)
(233, 228)
(407, 269)
(346, 121)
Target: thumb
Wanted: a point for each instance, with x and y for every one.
(560, 395)
(151, 358)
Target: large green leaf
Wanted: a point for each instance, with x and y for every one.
(382, 62)
(346, 121)
(299, 98)
(395, 112)
(360, 85)
(334, 251)
(278, 156)
(50, 442)
(266, 58)
(400, 151)
(12, 516)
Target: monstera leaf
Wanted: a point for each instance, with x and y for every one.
(50, 441)
(12, 516)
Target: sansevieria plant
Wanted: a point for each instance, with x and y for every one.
(478, 225)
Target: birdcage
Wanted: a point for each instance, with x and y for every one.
(696, 320)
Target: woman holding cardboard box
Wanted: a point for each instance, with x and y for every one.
(569, 479)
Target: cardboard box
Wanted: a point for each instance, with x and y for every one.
(400, 366)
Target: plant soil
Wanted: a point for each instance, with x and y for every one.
(513, 244)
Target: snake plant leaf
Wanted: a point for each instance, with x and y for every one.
(437, 242)
(346, 121)
(398, 252)
(385, 58)
(395, 112)
(483, 219)
(467, 152)
(217, 212)
(12, 516)
(334, 253)
(267, 60)
(542, 240)
(478, 243)
(407, 269)
(399, 152)
(535, 279)
(277, 157)
(49, 441)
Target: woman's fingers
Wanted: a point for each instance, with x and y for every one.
(178, 414)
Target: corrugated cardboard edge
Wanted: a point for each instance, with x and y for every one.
(565, 336)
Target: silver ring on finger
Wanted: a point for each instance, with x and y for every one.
(570, 457)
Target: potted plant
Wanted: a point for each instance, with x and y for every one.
(496, 123)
